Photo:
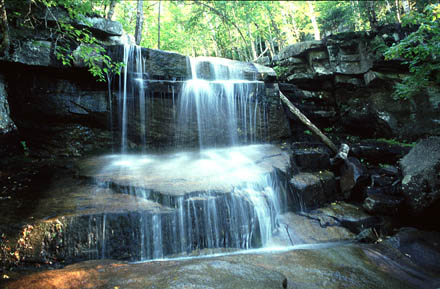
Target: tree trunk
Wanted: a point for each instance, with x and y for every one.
(291, 16)
(398, 11)
(308, 123)
(254, 50)
(158, 25)
(313, 19)
(111, 10)
(406, 6)
(372, 15)
(276, 29)
(139, 22)
(270, 49)
(357, 11)
(272, 46)
(4, 45)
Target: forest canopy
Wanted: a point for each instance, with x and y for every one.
(245, 29)
(242, 30)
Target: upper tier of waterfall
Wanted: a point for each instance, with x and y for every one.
(218, 106)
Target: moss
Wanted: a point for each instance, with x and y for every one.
(396, 142)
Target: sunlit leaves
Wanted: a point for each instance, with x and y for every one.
(420, 50)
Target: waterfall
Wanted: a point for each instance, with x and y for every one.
(206, 199)
(222, 104)
(132, 95)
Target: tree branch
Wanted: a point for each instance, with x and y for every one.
(308, 123)
(4, 45)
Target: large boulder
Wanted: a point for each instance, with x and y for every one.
(421, 175)
(32, 52)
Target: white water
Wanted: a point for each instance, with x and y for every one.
(222, 104)
(132, 94)
(214, 197)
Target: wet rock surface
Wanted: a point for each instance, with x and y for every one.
(344, 214)
(129, 211)
(332, 267)
(300, 228)
(179, 173)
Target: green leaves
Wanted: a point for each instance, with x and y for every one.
(420, 50)
(71, 42)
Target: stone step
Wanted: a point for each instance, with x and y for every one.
(94, 223)
(177, 204)
(310, 190)
(310, 157)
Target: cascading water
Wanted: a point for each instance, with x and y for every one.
(221, 102)
(205, 199)
(132, 94)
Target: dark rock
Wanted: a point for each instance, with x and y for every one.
(313, 189)
(102, 26)
(347, 67)
(298, 49)
(421, 247)
(343, 214)
(352, 174)
(389, 170)
(367, 236)
(382, 180)
(381, 204)
(310, 158)
(32, 52)
(379, 152)
(421, 175)
(9, 142)
(367, 122)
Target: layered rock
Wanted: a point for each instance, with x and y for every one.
(63, 111)
(343, 82)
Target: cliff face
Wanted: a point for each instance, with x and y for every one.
(59, 111)
(343, 82)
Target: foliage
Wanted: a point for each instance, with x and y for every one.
(378, 46)
(336, 16)
(243, 30)
(396, 142)
(420, 50)
(72, 43)
(281, 71)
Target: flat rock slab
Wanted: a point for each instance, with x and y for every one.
(296, 229)
(348, 266)
(176, 174)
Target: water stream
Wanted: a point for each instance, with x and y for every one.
(223, 193)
